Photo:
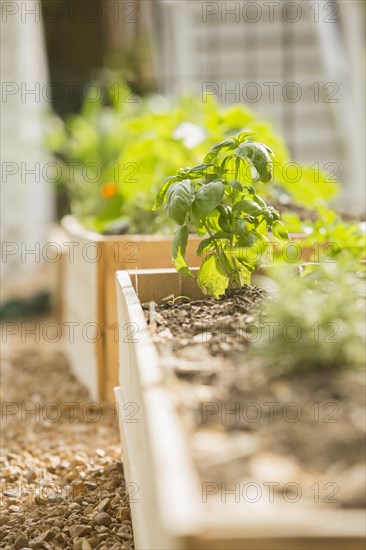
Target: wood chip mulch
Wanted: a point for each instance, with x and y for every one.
(62, 481)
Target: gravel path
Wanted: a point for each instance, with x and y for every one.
(62, 478)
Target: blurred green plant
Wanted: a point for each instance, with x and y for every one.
(328, 236)
(317, 320)
(114, 154)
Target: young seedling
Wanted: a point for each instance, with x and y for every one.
(218, 198)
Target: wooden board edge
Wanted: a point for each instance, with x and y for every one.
(160, 417)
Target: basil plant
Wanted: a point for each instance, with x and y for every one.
(220, 200)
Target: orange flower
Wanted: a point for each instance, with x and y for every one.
(109, 190)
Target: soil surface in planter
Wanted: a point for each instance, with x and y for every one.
(286, 436)
(308, 214)
(62, 482)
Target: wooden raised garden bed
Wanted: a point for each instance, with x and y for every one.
(86, 303)
(168, 508)
(88, 296)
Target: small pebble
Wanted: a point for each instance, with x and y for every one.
(14, 509)
(21, 542)
(102, 519)
(58, 523)
(103, 504)
(79, 530)
(4, 520)
(48, 535)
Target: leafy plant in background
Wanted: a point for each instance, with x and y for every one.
(218, 198)
(114, 154)
(329, 237)
(87, 146)
(317, 319)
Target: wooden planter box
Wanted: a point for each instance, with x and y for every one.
(166, 495)
(87, 303)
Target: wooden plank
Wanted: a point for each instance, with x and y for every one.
(145, 442)
(104, 393)
(80, 312)
(57, 237)
(129, 253)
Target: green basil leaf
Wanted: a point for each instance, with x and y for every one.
(227, 159)
(251, 249)
(179, 245)
(248, 255)
(275, 214)
(222, 235)
(179, 199)
(212, 278)
(245, 274)
(206, 169)
(182, 173)
(218, 147)
(227, 260)
(267, 214)
(269, 150)
(203, 246)
(208, 197)
(224, 210)
(236, 185)
(223, 223)
(247, 239)
(250, 189)
(249, 207)
(194, 218)
(280, 231)
(259, 201)
(244, 136)
(212, 221)
(259, 156)
(240, 228)
(159, 200)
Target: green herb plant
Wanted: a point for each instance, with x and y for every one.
(317, 319)
(329, 237)
(219, 198)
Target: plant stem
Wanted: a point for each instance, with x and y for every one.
(236, 270)
(237, 167)
(219, 254)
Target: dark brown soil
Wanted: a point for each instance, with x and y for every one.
(311, 215)
(214, 322)
(303, 213)
(247, 423)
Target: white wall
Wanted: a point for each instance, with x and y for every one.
(26, 206)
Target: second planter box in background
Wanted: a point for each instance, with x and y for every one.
(88, 297)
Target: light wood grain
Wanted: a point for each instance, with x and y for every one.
(88, 295)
